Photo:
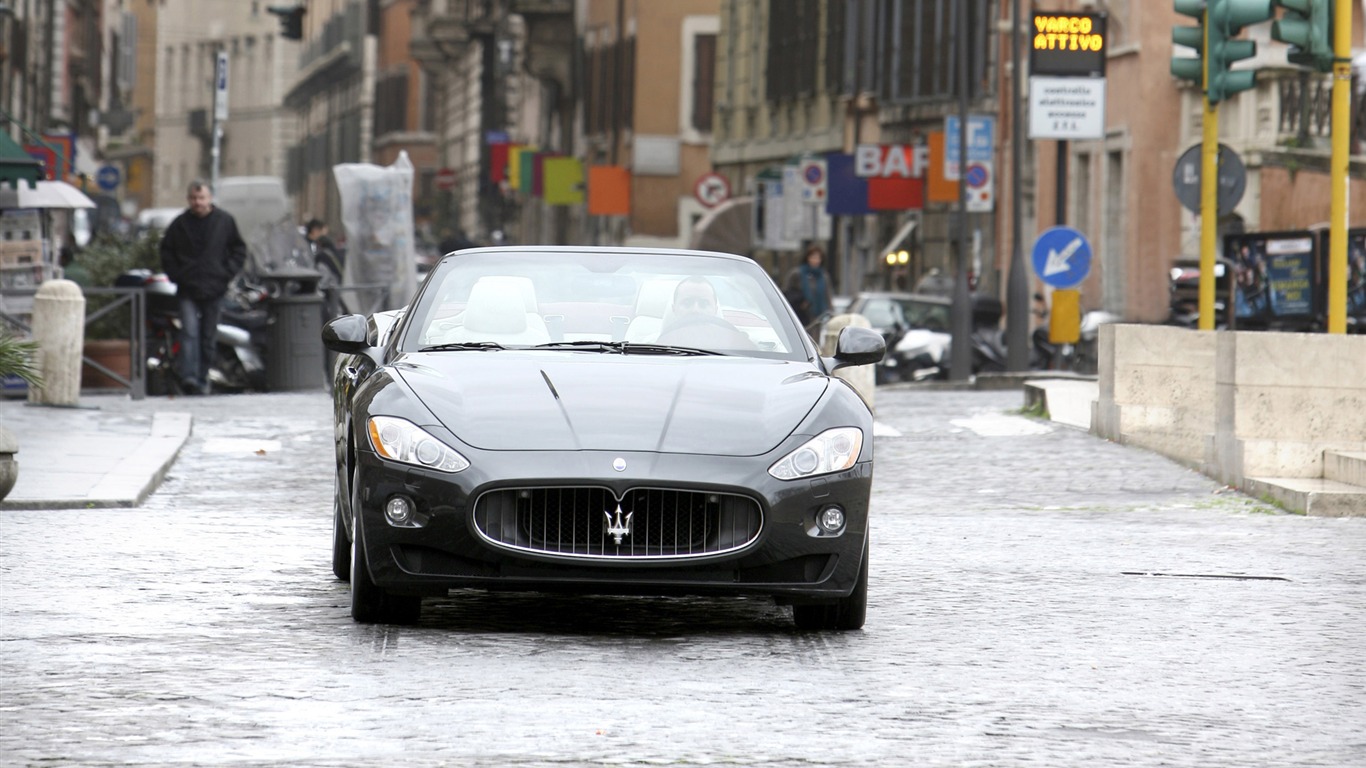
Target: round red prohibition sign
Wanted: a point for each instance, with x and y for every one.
(978, 175)
(712, 189)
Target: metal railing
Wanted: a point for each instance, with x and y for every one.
(136, 381)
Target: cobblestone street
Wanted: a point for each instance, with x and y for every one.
(1038, 596)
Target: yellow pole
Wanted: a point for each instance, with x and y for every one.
(1337, 223)
(1209, 199)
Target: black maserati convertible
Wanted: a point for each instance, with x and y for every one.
(599, 420)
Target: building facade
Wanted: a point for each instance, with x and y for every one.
(258, 131)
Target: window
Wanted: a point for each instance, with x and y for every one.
(920, 41)
(704, 81)
(793, 42)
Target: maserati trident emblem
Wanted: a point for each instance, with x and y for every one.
(618, 526)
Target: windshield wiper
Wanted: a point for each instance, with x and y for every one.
(456, 345)
(626, 348)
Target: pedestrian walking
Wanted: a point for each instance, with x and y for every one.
(201, 252)
(807, 286)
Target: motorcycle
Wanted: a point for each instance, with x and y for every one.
(1081, 357)
(238, 362)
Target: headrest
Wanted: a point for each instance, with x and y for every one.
(495, 307)
(654, 297)
(523, 286)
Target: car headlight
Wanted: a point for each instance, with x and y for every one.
(833, 450)
(401, 440)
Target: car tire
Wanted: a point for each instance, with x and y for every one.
(844, 614)
(369, 603)
(341, 544)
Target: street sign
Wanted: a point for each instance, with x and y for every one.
(1068, 44)
(445, 179)
(711, 189)
(108, 177)
(981, 186)
(1066, 107)
(1061, 257)
(220, 87)
(1232, 179)
(981, 142)
(814, 177)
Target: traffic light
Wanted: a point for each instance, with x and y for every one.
(1220, 22)
(1191, 37)
(1225, 19)
(291, 21)
(1308, 27)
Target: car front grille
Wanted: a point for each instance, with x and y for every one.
(646, 523)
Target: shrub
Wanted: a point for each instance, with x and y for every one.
(103, 260)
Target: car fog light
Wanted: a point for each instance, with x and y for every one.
(399, 510)
(831, 519)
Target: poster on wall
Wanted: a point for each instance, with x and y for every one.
(1356, 270)
(1276, 276)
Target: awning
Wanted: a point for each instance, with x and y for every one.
(16, 165)
(44, 194)
(726, 228)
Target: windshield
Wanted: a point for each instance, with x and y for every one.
(526, 298)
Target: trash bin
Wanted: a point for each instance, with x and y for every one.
(294, 359)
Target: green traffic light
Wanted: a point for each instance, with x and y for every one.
(1308, 27)
(1184, 67)
(1225, 20)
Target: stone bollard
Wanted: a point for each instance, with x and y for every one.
(863, 378)
(59, 329)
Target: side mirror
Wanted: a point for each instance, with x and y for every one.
(347, 335)
(858, 346)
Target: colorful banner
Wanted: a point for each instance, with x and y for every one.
(609, 190)
(562, 180)
(941, 189)
(498, 162)
(896, 194)
(519, 156)
(847, 193)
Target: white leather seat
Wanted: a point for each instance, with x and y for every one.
(652, 301)
(500, 309)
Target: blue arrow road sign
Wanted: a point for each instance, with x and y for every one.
(1061, 257)
(108, 177)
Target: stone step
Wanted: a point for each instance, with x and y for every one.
(1312, 496)
(1345, 466)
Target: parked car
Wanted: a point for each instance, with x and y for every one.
(915, 327)
(599, 420)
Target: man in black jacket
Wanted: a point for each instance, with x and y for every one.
(201, 252)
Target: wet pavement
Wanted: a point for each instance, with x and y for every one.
(1038, 597)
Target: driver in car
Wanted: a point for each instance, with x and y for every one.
(694, 319)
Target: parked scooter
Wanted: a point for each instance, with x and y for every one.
(1081, 357)
(238, 362)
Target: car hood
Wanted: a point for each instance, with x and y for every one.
(512, 400)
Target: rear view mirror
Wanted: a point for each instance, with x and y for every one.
(858, 346)
(346, 335)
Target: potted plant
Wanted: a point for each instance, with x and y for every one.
(99, 264)
(16, 359)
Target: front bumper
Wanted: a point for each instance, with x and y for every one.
(791, 559)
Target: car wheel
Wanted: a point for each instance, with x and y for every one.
(341, 545)
(369, 603)
(844, 614)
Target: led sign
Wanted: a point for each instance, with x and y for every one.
(1068, 45)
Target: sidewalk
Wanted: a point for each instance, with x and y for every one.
(104, 452)
(111, 451)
